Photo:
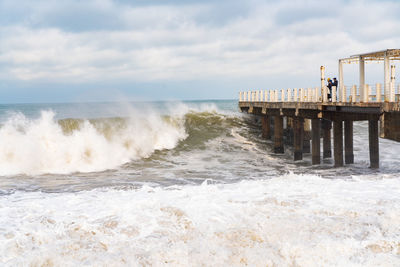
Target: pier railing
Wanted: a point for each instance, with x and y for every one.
(345, 94)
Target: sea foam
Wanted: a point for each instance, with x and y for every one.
(298, 220)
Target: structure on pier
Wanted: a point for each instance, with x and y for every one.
(309, 114)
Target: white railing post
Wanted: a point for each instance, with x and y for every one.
(301, 94)
(276, 95)
(378, 92)
(240, 96)
(283, 95)
(365, 94)
(353, 93)
(369, 92)
(333, 94)
(324, 94)
(386, 92)
(316, 94)
(295, 95)
(289, 95)
(309, 95)
(344, 94)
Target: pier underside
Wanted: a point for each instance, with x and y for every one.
(308, 121)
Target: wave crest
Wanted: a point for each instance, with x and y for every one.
(44, 145)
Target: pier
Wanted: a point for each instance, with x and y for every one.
(306, 115)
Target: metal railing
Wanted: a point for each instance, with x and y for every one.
(345, 94)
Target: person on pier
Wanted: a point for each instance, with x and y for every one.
(335, 83)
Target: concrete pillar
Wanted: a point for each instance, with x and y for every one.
(386, 72)
(392, 83)
(266, 127)
(373, 143)
(338, 142)
(341, 84)
(307, 136)
(393, 74)
(316, 141)
(361, 64)
(348, 142)
(278, 135)
(298, 138)
(326, 135)
(322, 69)
(289, 131)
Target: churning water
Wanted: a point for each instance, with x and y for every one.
(184, 184)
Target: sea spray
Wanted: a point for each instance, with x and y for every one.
(42, 145)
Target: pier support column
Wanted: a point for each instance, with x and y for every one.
(338, 142)
(373, 143)
(307, 136)
(316, 141)
(266, 127)
(348, 142)
(326, 134)
(298, 138)
(289, 131)
(278, 135)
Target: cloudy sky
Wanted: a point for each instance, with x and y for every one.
(96, 50)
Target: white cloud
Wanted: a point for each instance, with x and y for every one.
(170, 43)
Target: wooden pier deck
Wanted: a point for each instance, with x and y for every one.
(309, 116)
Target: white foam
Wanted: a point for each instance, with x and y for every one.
(36, 146)
(290, 220)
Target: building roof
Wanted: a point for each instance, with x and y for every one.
(393, 54)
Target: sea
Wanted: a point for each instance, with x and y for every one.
(189, 183)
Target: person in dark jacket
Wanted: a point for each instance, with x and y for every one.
(335, 83)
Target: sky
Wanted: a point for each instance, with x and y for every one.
(105, 50)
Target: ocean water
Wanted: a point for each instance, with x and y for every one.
(184, 184)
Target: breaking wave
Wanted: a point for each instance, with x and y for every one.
(46, 145)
